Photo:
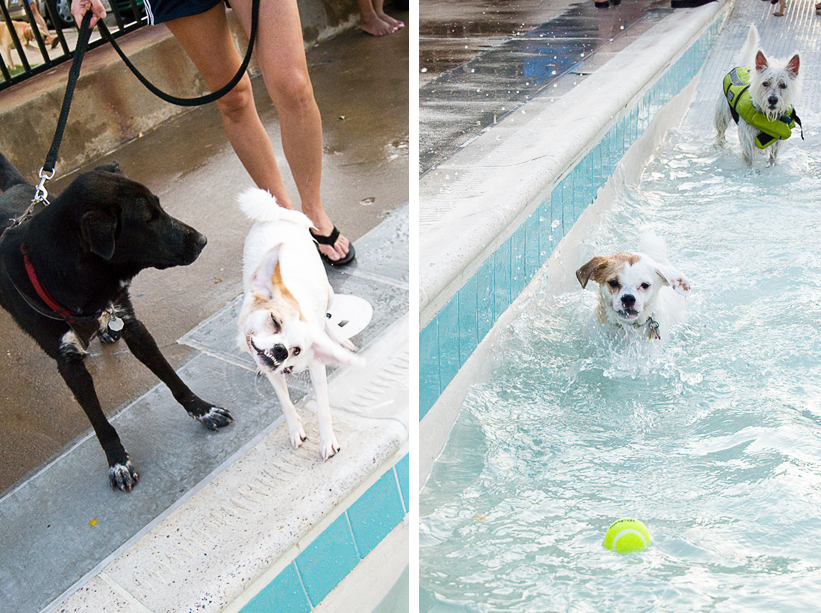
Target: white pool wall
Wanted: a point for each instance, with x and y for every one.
(488, 216)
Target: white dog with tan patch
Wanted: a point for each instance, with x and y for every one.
(283, 323)
(640, 293)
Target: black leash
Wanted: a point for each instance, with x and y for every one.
(47, 171)
(201, 99)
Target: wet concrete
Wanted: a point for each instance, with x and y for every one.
(361, 85)
(485, 59)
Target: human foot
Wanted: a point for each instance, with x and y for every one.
(376, 26)
(394, 23)
(330, 253)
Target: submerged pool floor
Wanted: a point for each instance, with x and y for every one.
(713, 441)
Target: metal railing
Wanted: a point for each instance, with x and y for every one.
(37, 45)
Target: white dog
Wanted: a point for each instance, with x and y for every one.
(638, 293)
(759, 95)
(283, 322)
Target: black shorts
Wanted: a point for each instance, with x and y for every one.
(159, 11)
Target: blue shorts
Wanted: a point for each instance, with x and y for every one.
(159, 11)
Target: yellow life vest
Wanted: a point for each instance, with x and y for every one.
(736, 90)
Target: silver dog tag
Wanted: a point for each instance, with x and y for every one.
(115, 327)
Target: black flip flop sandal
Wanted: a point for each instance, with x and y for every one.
(330, 240)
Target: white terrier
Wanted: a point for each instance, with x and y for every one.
(283, 323)
(639, 293)
(759, 99)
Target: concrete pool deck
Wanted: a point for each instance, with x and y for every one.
(222, 520)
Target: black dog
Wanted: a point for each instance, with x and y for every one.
(64, 277)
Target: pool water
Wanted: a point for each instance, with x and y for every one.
(713, 440)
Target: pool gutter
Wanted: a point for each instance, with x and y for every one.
(483, 213)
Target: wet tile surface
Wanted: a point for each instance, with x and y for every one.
(486, 78)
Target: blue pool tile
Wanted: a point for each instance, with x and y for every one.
(468, 320)
(402, 469)
(606, 155)
(598, 173)
(429, 386)
(518, 242)
(568, 191)
(557, 214)
(284, 594)
(376, 513)
(501, 278)
(327, 560)
(485, 301)
(449, 342)
(545, 217)
(533, 259)
(583, 192)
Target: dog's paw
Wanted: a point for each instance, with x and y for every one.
(107, 338)
(214, 418)
(122, 477)
(328, 448)
(297, 434)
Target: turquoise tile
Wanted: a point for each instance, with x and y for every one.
(501, 278)
(376, 513)
(284, 595)
(402, 469)
(327, 560)
(533, 257)
(568, 213)
(429, 386)
(468, 320)
(583, 192)
(448, 342)
(485, 299)
(545, 217)
(598, 171)
(606, 161)
(557, 213)
(518, 242)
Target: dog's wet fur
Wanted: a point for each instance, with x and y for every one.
(85, 248)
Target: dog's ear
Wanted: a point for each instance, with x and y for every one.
(761, 61)
(677, 281)
(792, 66)
(590, 270)
(99, 229)
(262, 282)
(328, 351)
(112, 167)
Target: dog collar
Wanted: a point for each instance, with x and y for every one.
(652, 326)
(55, 311)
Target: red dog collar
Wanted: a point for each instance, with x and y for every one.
(61, 312)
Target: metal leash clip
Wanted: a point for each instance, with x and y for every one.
(654, 329)
(41, 193)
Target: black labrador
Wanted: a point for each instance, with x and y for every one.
(64, 277)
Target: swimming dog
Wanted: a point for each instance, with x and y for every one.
(759, 94)
(640, 294)
(283, 323)
(64, 278)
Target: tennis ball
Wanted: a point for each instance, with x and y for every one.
(627, 535)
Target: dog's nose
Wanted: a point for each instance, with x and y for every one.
(773, 100)
(628, 300)
(280, 353)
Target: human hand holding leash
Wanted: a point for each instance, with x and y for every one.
(81, 7)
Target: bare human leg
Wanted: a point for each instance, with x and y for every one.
(207, 40)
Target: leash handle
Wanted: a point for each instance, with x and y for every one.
(200, 99)
(73, 75)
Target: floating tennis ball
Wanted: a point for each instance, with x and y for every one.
(627, 535)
